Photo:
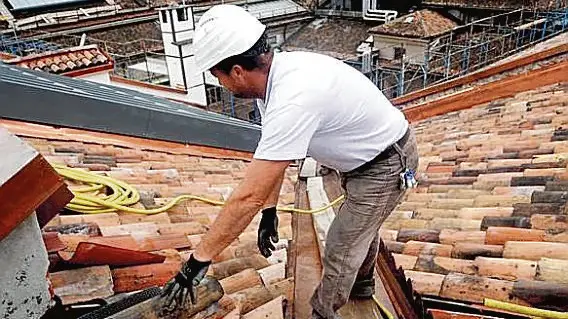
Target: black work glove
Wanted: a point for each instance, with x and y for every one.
(268, 230)
(183, 284)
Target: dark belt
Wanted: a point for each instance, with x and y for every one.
(388, 152)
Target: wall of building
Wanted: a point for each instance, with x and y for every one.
(99, 77)
(415, 49)
(24, 263)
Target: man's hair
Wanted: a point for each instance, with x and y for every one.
(249, 60)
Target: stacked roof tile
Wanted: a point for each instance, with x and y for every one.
(99, 255)
(423, 24)
(66, 61)
(489, 217)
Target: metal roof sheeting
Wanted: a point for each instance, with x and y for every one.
(57, 100)
(31, 4)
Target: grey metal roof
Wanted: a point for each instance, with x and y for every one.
(40, 97)
(30, 4)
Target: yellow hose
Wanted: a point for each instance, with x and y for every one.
(92, 198)
(533, 312)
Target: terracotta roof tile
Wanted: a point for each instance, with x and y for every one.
(499, 213)
(159, 176)
(72, 61)
(422, 24)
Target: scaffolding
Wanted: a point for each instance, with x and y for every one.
(465, 49)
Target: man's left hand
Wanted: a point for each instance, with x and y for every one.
(267, 231)
(182, 286)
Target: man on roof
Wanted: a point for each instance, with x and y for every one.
(310, 105)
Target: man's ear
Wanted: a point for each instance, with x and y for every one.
(238, 71)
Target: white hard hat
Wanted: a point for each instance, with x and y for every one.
(223, 31)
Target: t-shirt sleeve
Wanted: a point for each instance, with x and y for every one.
(286, 133)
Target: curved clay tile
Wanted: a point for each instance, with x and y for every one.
(73, 57)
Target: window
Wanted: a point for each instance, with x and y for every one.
(182, 14)
(399, 53)
(164, 16)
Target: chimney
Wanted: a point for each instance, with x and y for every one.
(178, 25)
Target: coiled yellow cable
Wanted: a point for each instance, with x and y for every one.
(92, 198)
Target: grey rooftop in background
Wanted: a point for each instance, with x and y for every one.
(40, 97)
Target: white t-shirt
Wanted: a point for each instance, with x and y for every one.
(321, 107)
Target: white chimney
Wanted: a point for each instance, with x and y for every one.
(177, 25)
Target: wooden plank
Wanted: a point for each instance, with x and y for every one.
(403, 308)
(308, 267)
(26, 181)
(308, 168)
(318, 198)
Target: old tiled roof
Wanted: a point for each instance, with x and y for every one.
(491, 206)
(159, 176)
(336, 37)
(67, 61)
(132, 38)
(421, 24)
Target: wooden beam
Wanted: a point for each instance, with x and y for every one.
(489, 92)
(318, 198)
(391, 279)
(26, 181)
(307, 265)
